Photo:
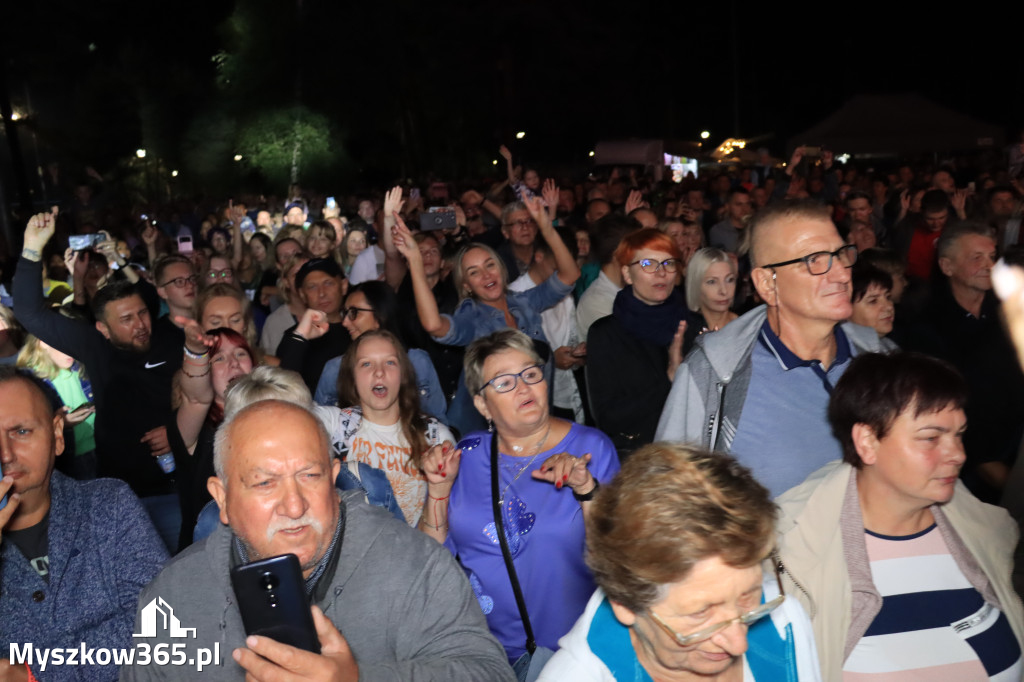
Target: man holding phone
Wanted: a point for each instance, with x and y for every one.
(387, 602)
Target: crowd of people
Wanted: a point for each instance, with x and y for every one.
(617, 428)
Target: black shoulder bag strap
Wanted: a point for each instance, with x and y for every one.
(499, 527)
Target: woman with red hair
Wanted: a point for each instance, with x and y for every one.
(632, 354)
(213, 360)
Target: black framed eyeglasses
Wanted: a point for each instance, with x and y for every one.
(503, 383)
(353, 312)
(820, 262)
(180, 282)
(651, 266)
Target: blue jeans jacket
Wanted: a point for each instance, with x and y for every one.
(432, 400)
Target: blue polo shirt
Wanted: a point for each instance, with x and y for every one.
(783, 434)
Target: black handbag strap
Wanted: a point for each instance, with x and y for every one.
(499, 527)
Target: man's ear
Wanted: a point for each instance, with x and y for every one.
(58, 432)
(220, 495)
(946, 265)
(764, 283)
(865, 442)
(102, 328)
(302, 295)
(344, 289)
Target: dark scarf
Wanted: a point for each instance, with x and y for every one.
(316, 589)
(655, 324)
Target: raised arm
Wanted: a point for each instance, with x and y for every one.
(507, 155)
(237, 243)
(426, 307)
(394, 265)
(196, 383)
(568, 270)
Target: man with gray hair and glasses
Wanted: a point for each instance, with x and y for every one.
(759, 387)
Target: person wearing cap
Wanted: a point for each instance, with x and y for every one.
(296, 212)
(319, 335)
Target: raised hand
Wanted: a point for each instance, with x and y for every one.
(313, 324)
(38, 232)
(634, 201)
(535, 205)
(196, 340)
(393, 201)
(505, 153)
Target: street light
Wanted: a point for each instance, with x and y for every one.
(704, 134)
(591, 154)
(238, 157)
(494, 162)
(174, 173)
(141, 153)
(520, 135)
(15, 116)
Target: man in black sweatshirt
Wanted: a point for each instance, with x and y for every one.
(130, 369)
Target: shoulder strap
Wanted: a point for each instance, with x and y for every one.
(499, 527)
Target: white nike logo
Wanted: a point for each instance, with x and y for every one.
(149, 366)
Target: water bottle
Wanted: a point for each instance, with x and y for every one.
(166, 462)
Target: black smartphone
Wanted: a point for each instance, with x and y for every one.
(438, 218)
(272, 599)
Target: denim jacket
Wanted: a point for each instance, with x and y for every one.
(432, 400)
(473, 319)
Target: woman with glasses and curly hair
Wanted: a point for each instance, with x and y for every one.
(678, 544)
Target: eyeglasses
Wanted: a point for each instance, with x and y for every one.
(710, 631)
(743, 619)
(820, 262)
(223, 274)
(353, 312)
(503, 383)
(180, 282)
(651, 266)
(525, 222)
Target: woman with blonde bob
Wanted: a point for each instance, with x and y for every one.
(678, 543)
(711, 288)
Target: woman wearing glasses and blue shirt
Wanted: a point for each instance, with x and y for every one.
(680, 544)
(632, 354)
(545, 472)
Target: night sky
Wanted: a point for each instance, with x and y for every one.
(410, 87)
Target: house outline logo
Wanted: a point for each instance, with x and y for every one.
(158, 615)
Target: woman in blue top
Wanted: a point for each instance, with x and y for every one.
(487, 305)
(547, 470)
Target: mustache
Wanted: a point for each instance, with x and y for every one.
(307, 519)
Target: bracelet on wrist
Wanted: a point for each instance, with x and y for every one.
(587, 496)
(202, 374)
(438, 498)
(197, 356)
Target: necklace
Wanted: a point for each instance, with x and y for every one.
(518, 449)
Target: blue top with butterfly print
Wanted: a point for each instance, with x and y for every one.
(544, 527)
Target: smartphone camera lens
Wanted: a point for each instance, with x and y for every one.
(269, 582)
